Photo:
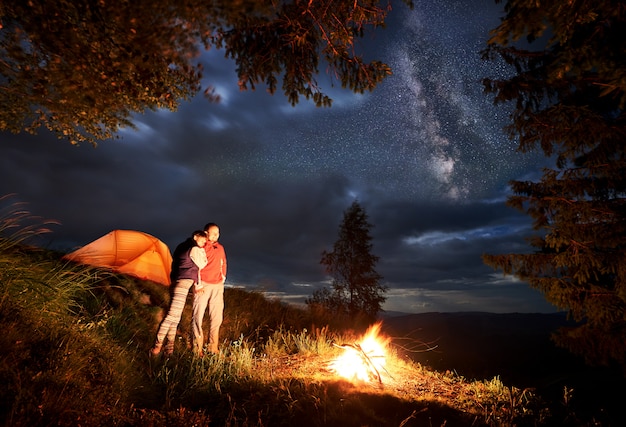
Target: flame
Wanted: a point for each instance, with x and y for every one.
(364, 360)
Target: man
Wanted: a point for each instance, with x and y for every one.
(189, 258)
(210, 291)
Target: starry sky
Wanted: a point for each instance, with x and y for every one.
(424, 154)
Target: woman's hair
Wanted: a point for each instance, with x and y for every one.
(198, 233)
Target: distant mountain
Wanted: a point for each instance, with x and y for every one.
(515, 347)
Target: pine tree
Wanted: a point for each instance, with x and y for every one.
(569, 93)
(356, 288)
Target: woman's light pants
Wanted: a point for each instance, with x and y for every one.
(168, 326)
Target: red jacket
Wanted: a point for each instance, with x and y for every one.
(215, 271)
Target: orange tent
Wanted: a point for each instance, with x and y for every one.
(129, 252)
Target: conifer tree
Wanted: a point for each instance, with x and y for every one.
(569, 94)
(82, 68)
(356, 288)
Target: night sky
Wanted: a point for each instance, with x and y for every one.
(424, 154)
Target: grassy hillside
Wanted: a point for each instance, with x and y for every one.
(74, 351)
(516, 347)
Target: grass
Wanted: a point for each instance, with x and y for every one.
(74, 351)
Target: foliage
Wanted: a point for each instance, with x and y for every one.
(74, 351)
(569, 93)
(356, 288)
(82, 68)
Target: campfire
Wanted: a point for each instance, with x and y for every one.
(363, 360)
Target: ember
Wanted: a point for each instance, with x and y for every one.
(362, 361)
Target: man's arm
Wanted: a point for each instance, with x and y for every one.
(224, 265)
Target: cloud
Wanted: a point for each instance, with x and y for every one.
(424, 154)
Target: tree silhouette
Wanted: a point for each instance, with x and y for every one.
(82, 68)
(569, 93)
(356, 288)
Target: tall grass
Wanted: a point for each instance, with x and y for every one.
(74, 351)
(54, 353)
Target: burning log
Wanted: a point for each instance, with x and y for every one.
(371, 369)
(362, 360)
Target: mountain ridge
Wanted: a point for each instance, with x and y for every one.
(515, 347)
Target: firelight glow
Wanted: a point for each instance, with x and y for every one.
(364, 360)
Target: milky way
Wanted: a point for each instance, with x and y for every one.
(427, 131)
(424, 153)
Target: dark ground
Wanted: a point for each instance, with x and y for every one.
(516, 348)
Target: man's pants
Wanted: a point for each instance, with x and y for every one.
(213, 296)
(172, 319)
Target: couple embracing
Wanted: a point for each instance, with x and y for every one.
(200, 262)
